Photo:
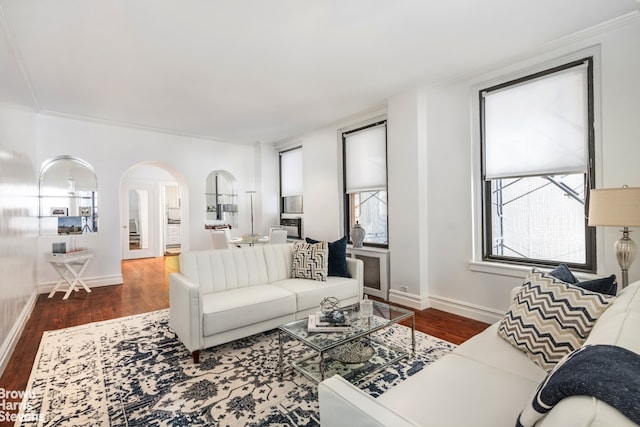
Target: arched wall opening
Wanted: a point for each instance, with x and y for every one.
(153, 211)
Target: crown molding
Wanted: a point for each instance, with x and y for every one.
(595, 30)
(15, 52)
(134, 126)
(545, 49)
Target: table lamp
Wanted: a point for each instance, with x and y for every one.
(617, 207)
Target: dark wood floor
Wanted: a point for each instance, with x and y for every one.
(146, 288)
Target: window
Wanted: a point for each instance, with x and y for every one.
(365, 173)
(291, 174)
(538, 153)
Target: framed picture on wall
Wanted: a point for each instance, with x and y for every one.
(70, 225)
(59, 212)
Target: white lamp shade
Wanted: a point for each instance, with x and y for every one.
(615, 207)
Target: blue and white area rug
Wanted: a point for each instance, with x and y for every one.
(133, 371)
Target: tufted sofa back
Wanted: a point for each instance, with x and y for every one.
(619, 324)
(220, 270)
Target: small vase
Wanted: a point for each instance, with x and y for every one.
(357, 235)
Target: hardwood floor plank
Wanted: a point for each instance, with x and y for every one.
(145, 288)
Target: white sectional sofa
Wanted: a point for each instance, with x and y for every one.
(484, 382)
(223, 295)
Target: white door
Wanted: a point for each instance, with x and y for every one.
(139, 220)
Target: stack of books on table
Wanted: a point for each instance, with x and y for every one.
(320, 323)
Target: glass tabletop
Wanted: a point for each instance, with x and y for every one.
(383, 315)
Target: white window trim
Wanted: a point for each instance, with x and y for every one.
(476, 263)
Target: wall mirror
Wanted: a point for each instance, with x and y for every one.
(68, 197)
(221, 199)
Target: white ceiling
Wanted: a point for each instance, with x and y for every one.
(261, 70)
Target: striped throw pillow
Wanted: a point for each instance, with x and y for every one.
(548, 318)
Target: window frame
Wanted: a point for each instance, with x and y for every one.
(347, 202)
(590, 265)
(282, 202)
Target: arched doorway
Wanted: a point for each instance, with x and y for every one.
(152, 212)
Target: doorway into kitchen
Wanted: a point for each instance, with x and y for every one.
(152, 211)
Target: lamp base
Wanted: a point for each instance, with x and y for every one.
(626, 250)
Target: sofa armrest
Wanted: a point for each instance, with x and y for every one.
(185, 311)
(343, 404)
(355, 267)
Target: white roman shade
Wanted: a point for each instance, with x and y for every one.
(291, 172)
(366, 159)
(538, 127)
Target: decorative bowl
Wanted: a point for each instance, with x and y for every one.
(328, 305)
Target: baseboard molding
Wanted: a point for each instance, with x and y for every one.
(462, 308)
(15, 333)
(408, 300)
(92, 282)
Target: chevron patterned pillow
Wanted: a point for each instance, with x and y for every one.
(310, 260)
(548, 318)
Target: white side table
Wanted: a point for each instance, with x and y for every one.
(70, 267)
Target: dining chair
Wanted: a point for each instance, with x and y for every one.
(277, 235)
(219, 239)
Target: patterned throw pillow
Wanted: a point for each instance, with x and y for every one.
(548, 318)
(310, 260)
(337, 257)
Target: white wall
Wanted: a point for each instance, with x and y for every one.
(18, 223)
(112, 151)
(407, 164)
(473, 290)
(322, 192)
(431, 160)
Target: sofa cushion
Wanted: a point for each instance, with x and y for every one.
(619, 324)
(548, 318)
(240, 307)
(310, 260)
(337, 257)
(310, 293)
(584, 411)
(490, 349)
(456, 391)
(278, 259)
(220, 270)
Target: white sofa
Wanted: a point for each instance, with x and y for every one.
(223, 295)
(483, 382)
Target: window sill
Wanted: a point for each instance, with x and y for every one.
(499, 269)
(368, 249)
(519, 271)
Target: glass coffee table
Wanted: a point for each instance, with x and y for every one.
(354, 354)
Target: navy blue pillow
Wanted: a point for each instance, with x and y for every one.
(563, 273)
(337, 257)
(605, 285)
